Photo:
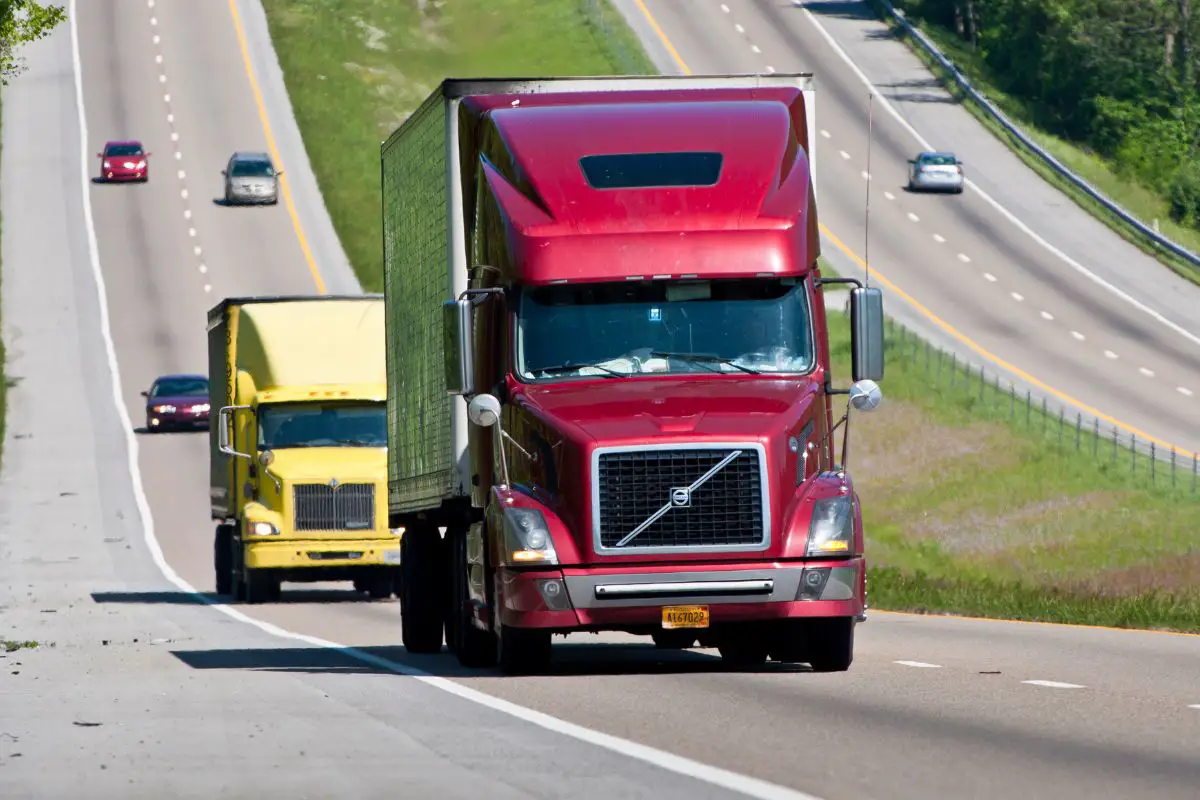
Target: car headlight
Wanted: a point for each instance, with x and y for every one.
(527, 537)
(141, 165)
(108, 165)
(263, 529)
(201, 407)
(831, 530)
(164, 409)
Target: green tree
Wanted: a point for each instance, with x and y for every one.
(21, 22)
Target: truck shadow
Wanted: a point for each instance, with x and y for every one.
(288, 597)
(570, 660)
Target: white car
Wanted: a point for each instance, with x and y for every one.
(935, 170)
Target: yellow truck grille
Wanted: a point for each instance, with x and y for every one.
(342, 507)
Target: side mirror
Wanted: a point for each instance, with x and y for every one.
(223, 172)
(145, 393)
(147, 155)
(484, 410)
(99, 155)
(278, 172)
(912, 161)
(866, 333)
(865, 395)
(458, 324)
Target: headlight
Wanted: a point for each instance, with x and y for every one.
(527, 538)
(263, 529)
(201, 407)
(165, 409)
(832, 528)
(141, 165)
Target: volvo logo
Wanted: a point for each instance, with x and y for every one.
(333, 483)
(681, 497)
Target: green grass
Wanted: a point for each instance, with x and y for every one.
(356, 68)
(973, 506)
(1140, 201)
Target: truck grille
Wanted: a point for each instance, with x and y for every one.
(320, 507)
(728, 511)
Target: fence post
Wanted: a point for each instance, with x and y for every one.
(1095, 437)
(1045, 416)
(941, 357)
(1078, 429)
(1133, 453)
(1195, 461)
(1114, 444)
(1153, 460)
(953, 370)
(982, 382)
(1061, 412)
(1172, 466)
(1028, 409)
(1012, 402)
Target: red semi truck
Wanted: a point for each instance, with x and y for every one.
(610, 405)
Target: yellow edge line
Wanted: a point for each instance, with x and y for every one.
(266, 124)
(936, 320)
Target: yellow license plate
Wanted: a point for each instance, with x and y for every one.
(685, 617)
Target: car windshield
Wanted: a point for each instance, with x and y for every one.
(938, 160)
(285, 425)
(119, 150)
(252, 169)
(615, 330)
(180, 387)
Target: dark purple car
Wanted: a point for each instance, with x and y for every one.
(177, 402)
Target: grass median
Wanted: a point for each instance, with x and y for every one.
(971, 507)
(1143, 203)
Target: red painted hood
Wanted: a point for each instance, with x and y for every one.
(613, 412)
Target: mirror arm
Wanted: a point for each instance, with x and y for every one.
(823, 281)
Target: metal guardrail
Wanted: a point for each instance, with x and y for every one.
(931, 49)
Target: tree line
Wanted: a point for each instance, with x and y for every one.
(1121, 77)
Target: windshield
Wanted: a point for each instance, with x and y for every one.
(322, 425)
(252, 169)
(180, 387)
(621, 329)
(938, 160)
(118, 150)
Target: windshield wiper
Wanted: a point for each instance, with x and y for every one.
(580, 365)
(709, 358)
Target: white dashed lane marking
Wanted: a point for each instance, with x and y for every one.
(770, 68)
(1017, 296)
(1149, 373)
(963, 257)
(1078, 335)
(739, 28)
(1110, 354)
(990, 277)
(1055, 684)
(754, 47)
(919, 664)
(725, 8)
(866, 175)
(889, 195)
(1183, 390)
(825, 133)
(1047, 315)
(937, 237)
(844, 154)
(913, 217)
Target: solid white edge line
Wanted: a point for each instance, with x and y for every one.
(919, 664)
(1055, 684)
(743, 784)
(1184, 332)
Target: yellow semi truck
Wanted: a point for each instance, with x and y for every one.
(298, 445)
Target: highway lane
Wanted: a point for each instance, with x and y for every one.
(683, 703)
(956, 255)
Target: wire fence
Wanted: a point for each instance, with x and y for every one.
(986, 394)
(614, 35)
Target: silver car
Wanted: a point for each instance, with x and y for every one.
(251, 178)
(935, 170)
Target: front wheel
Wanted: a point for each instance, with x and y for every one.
(262, 586)
(831, 644)
(522, 651)
(223, 559)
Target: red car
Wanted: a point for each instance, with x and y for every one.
(177, 402)
(124, 161)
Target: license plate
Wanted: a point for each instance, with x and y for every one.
(391, 556)
(685, 617)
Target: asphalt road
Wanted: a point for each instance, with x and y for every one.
(932, 707)
(1129, 353)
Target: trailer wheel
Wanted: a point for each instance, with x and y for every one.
(422, 593)
(380, 587)
(223, 558)
(830, 643)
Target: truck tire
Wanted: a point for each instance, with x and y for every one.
(422, 590)
(262, 586)
(223, 559)
(744, 646)
(380, 587)
(474, 648)
(522, 651)
(831, 644)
